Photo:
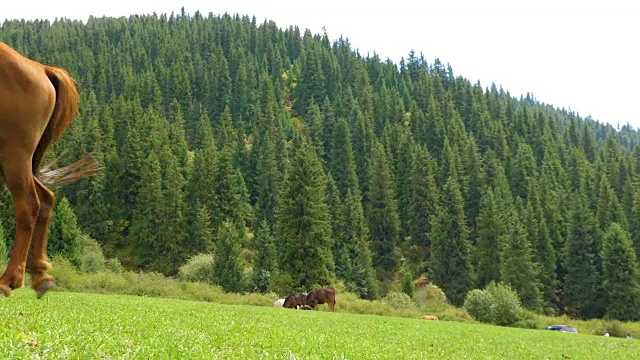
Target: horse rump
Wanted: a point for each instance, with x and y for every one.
(322, 296)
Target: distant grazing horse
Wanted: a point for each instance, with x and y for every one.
(321, 296)
(295, 300)
(278, 303)
(37, 103)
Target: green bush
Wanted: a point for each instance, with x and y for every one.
(497, 304)
(198, 268)
(399, 300)
(507, 307)
(480, 305)
(91, 257)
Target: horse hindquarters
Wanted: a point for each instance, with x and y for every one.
(36, 105)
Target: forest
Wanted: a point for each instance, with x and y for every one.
(296, 161)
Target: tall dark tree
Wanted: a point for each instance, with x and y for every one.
(582, 287)
(492, 237)
(382, 213)
(304, 221)
(266, 264)
(620, 275)
(517, 267)
(422, 207)
(450, 263)
(228, 267)
(64, 234)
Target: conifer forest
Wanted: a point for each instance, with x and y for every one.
(298, 161)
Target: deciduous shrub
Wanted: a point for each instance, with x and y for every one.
(497, 304)
(399, 300)
(198, 268)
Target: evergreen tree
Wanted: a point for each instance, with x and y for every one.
(517, 268)
(228, 267)
(304, 223)
(422, 207)
(543, 252)
(634, 221)
(353, 232)
(384, 223)
(266, 264)
(582, 287)
(450, 262)
(146, 241)
(620, 274)
(201, 232)
(492, 237)
(64, 234)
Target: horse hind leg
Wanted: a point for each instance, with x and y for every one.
(37, 264)
(20, 182)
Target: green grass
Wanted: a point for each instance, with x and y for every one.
(87, 326)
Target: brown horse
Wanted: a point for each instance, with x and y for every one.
(37, 103)
(321, 296)
(295, 300)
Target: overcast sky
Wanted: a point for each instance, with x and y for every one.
(582, 55)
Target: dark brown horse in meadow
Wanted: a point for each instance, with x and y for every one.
(37, 103)
(295, 300)
(322, 296)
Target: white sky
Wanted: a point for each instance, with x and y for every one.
(582, 55)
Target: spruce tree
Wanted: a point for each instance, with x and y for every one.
(450, 265)
(384, 223)
(422, 207)
(620, 275)
(517, 267)
(582, 286)
(353, 231)
(228, 267)
(634, 221)
(304, 221)
(492, 237)
(64, 234)
(266, 264)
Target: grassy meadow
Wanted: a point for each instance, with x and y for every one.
(67, 325)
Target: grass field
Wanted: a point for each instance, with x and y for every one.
(88, 326)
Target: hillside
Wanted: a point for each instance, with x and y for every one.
(296, 161)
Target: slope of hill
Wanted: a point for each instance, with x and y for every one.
(296, 162)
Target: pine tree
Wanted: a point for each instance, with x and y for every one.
(620, 274)
(64, 234)
(634, 220)
(304, 223)
(422, 207)
(228, 267)
(201, 238)
(343, 167)
(582, 287)
(144, 238)
(266, 264)
(384, 223)
(517, 268)
(544, 255)
(492, 237)
(450, 266)
(353, 232)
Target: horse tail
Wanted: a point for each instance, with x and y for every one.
(66, 107)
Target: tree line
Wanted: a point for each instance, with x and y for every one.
(297, 161)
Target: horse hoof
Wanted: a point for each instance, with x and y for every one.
(43, 287)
